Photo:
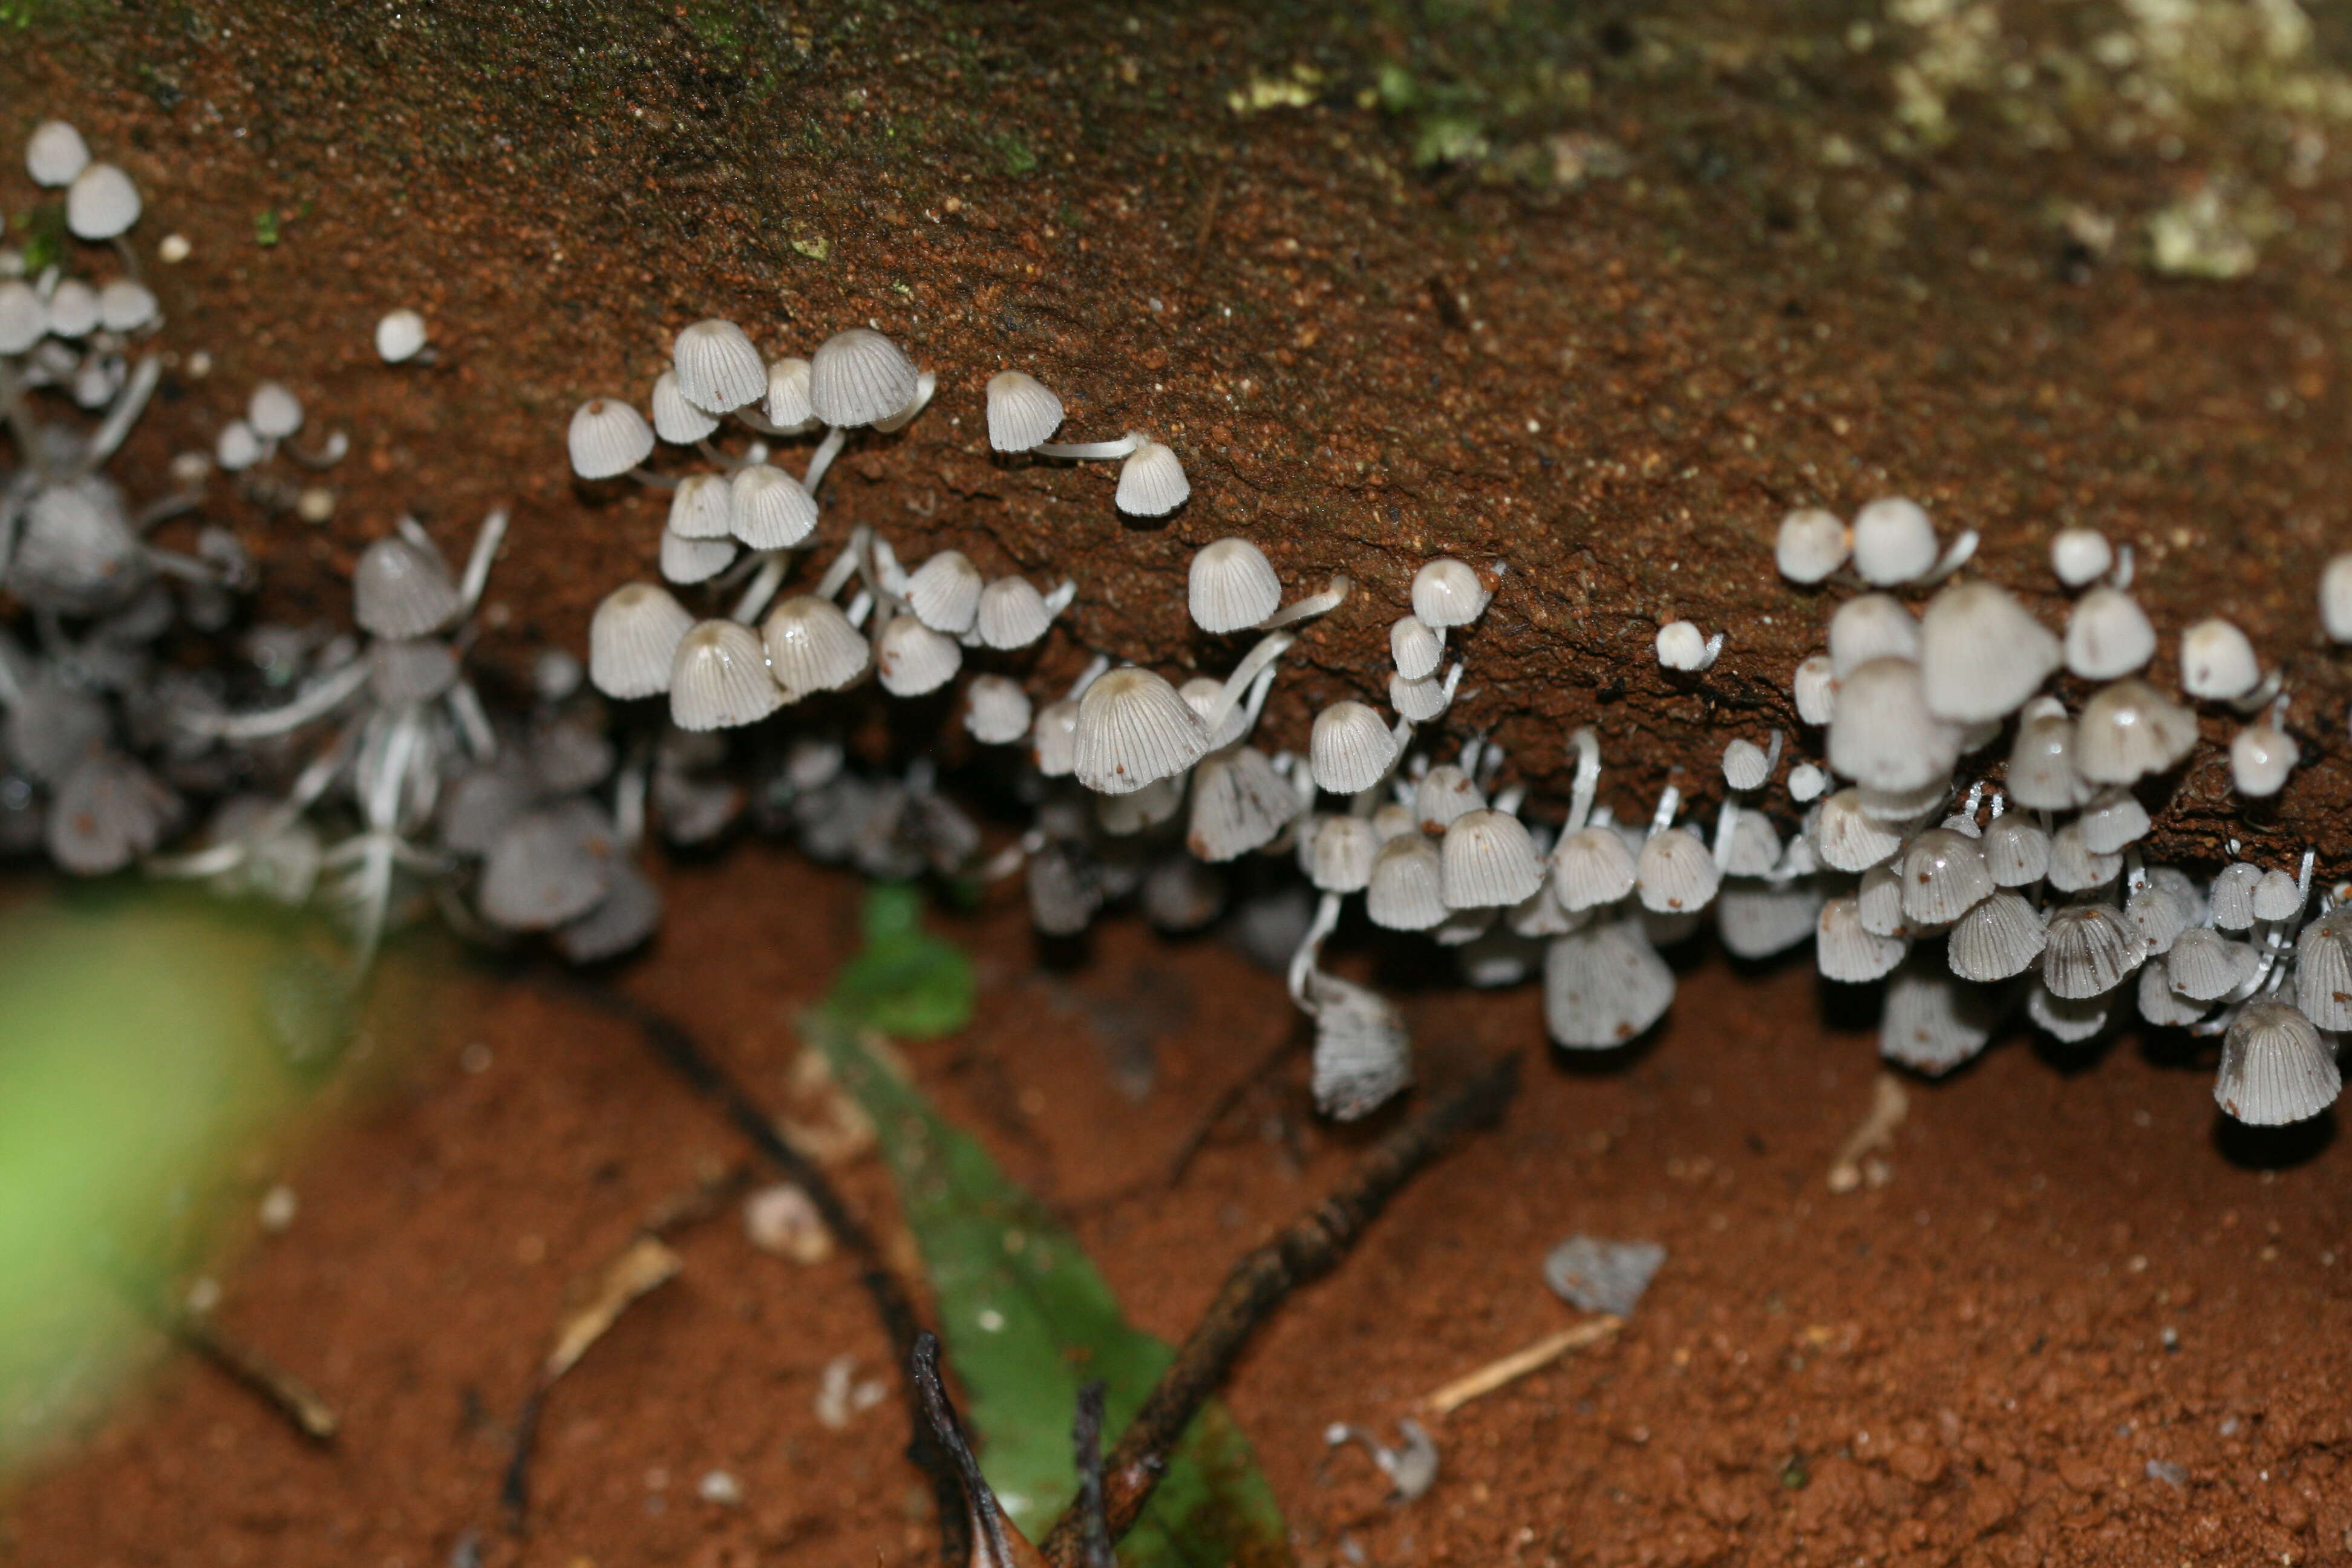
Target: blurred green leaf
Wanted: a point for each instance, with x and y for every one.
(905, 981)
(1024, 1316)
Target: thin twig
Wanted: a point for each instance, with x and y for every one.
(1086, 1438)
(287, 1394)
(1258, 1283)
(1517, 1365)
(1223, 1107)
(670, 1041)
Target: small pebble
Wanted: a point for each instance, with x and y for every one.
(204, 1295)
(174, 249)
(780, 1220)
(1602, 1276)
(719, 1487)
(199, 365)
(278, 1208)
(2170, 1473)
(315, 505)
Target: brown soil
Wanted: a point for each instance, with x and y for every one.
(2071, 1274)
(1617, 386)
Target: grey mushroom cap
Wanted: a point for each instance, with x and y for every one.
(400, 590)
(549, 867)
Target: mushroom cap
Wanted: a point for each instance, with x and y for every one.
(1349, 748)
(273, 411)
(125, 305)
(719, 371)
(399, 336)
(944, 592)
(102, 203)
(24, 316)
(996, 711)
(108, 812)
(811, 647)
(608, 438)
(2217, 662)
(858, 376)
(1446, 593)
(1488, 861)
(719, 678)
(2079, 555)
(768, 508)
(1232, 586)
(676, 420)
(2107, 636)
(1022, 412)
(1012, 614)
(1151, 482)
(1415, 648)
(55, 155)
(1604, 984)
(1868, 627)
(912, 659)
(401, 589)
(549, 867)
(1934, 1020)
(685, 560)
(1681, 645)
(1133, 728)
(2276, 1067)
(1882, 735)
(1811, 544)
(633, 640)
(73, 309)
(1893, 541)
(788, 407)
(1981, 654)
(1239, 804)
(702, 507)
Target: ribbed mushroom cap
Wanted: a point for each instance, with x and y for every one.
(2161, 1004)
(1406, 891)
(718, 369)
(1239, 804)
(1869, 626)
(719, 678)
(1904, 806)
(1845, 949)
(1445, 793)
(400, 590)
(688, 560)
(1364, 1054)
(1591, 866)
(1603, 985)
(1893, 541)
(479, 805)
(945, 593)
(1232, 586)
(1422, 702)
(1944, 877)
(630, 912)
(2166, 904)
(676, 420)
(2075, 867)
(1391, 820)
(566, 756)
(1981, 653)
(55, 155)
(102, 203)
(2335, 597)
(2042, 773)
(1488, 861)
(1934, 1020)
(1132, 730)
(2069, 1020)
(1675, 874)
(2090, 952)
(1204, 692)
(2130, 730)
(1756, 919)
(2016, 851)
(2276, 1067)
(911, 659)
(1541, 913)
(77, 552)
(1880, 898)
(1807, 782)
(410, 669)
(996, 711)
(2322, 968)
(1349, 748)
(548, 868)
(608, 438)
(2079, 555)
(2217, 662)
(2233, 895)
(1744, 765)
(399, 336)
(788, 407)
(1415, 649)
(2113, 819)
(702, 507)
(1012, 614)
(2277, 896)
(2108, 635)
(1883, 735)
(125, 305)
(1339, 857)
(1151, 482)
(24, 316)
(108, 812)
(1123, 815)
(768, 509)
(2260, 757)
(1022, 413)
(2204, 965)
(1812, 543)
(859, 377)
(1999, 938)
(1815, 688)
(1054, 741)
(1446, 593)
(633, 640)
(811, 647)
(1754, 848)
(1849, 839)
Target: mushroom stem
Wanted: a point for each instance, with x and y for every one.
(845, 565)
(129, 404)
(2121, 577)
(1269, 648)
(1963, 550)
(1726, 821)
(1255, 703)
(1302, 961)
(653, 480)
(1093, 451)
(477, 566)
(836, 437)
(338, 448)
(20, 418)
(773, 565)
(473, 723)
(926, 383)
(1662, 818)
(1587, 746)
(1314, 605)
(629, 789)
(314, 704)
(1095, 671)
(1059, 599)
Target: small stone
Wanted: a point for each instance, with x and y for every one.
(315, 504)
(1602, 1276)
(278, 1208)
(719, 1487)
(781, 1220)
(174, 249)
(2171, 1475)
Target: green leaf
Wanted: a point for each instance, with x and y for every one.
(905, 981)
(1024, 1316)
